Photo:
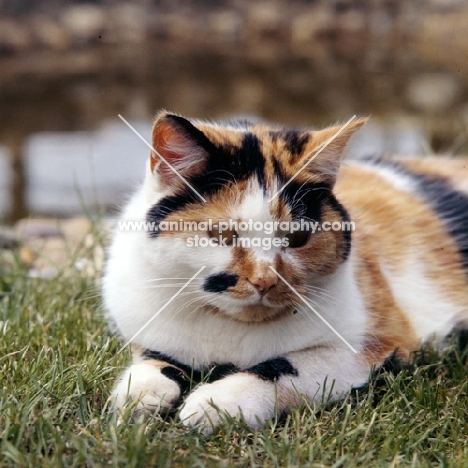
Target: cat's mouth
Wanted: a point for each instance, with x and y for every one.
(256, 313)
(238, 299)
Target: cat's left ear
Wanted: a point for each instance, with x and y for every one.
(181, 149)
(326, 162)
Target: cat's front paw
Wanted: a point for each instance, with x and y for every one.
(145, 384)
(238, 394)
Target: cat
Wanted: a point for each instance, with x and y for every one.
(273, 324)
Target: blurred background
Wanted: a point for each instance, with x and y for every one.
(68, 68)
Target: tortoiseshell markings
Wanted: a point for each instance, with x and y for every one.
(225, 165)
(450, 204)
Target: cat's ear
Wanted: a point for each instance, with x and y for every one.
(180, 148)
(326, 161)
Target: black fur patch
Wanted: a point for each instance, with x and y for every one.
(295, 142)
(156, 355)
(220, 282)
(166, 206)
(251, 158)
(219, 371)
(178, 376)
(304, 201)
(451, 206)
(273, 369)
(175, 370)
(337, 206)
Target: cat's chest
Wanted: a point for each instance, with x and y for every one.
(206, 339)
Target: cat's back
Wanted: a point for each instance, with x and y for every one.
(406, 191)
(411, 243)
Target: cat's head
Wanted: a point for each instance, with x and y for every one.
(228, 197)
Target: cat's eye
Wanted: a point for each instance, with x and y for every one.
(297, 238)
(226, 237)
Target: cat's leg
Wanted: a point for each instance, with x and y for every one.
(276, 386)
(154, 380)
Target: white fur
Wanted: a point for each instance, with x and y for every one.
(432, 316)
(391, 174)
(144, 383)
(235, 395)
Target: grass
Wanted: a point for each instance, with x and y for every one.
(58, 362)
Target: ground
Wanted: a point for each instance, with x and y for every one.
(58, 362)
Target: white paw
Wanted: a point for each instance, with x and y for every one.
(145, 383)
(239, 394)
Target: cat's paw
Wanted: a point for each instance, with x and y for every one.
(145, 384)
(236, 395)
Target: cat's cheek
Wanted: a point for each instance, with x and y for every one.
(238, 394)
(145, 384)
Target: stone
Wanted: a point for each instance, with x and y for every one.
(228, 26)
(14, 37)
(75, 230)
(433, 91)
(129, 24)
(32, 228)
(46, 256)
(307, 26)
(84, 22)
(49, 247)
(48, 32)
(9, 238)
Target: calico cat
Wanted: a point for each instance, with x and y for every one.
(274, 323)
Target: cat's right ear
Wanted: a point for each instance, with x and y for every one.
(180, 149)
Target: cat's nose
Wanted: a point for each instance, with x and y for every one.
(264, 283)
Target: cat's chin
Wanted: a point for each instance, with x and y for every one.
(257, 313)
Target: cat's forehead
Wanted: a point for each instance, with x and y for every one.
(254, 204)
(274, 140)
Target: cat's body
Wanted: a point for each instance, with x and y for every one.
(275, 325)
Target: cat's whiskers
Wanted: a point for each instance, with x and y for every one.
(193, 301)
(206, 312)
(322, 294)
(231, 180)
(323, 311)
(302, 193)
(149, 284)
(163, 279)
(159, 286)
